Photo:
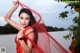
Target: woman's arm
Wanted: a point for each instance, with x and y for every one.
(27, 48)
(9, 14)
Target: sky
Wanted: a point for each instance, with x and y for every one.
(49, 10)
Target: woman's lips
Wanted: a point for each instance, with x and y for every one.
(24, 24)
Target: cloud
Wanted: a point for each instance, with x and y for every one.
(44, 6)
(49, 10)
(2, 21)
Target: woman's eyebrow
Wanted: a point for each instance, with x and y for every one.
(27, 17)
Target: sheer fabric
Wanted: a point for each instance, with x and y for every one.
(18, 46)
(45, 42)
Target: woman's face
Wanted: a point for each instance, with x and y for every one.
(24, 19)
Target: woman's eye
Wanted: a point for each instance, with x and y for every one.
(21, 17)
(27, 18)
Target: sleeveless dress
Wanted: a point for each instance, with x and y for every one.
(46, 43)
(19, 48)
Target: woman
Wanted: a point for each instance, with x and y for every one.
(26, 39)
(23, 45)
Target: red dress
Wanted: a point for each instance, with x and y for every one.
(45, 43)
(19, 48)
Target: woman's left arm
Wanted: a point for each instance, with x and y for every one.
(27, 48)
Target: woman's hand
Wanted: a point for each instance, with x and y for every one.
(20, 33)
(15, 2)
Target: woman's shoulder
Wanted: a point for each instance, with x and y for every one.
(28, 30)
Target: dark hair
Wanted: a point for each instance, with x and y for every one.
(32, 20)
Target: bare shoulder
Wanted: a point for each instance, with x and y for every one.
(29, 30)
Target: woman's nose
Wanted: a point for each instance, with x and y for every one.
(24, 21)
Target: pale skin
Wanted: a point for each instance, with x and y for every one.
(24, 21)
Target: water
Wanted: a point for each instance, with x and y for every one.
(58, 36)
(7, 41)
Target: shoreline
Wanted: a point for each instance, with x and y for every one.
(7, 40)
(16, 33)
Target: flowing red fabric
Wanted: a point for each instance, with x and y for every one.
(45, 43)
(71, 48)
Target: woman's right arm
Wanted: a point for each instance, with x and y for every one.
(7, 17)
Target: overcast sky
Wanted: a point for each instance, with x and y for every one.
(49, 10)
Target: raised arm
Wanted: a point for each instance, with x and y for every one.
(7, 17)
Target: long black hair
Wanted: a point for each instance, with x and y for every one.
(25, 10)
